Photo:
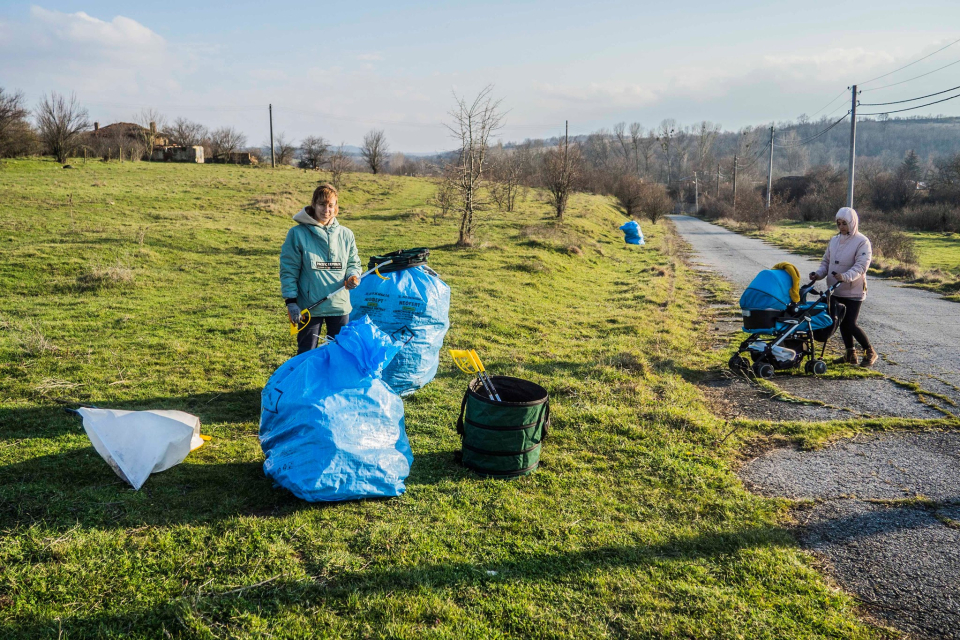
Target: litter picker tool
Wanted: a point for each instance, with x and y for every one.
(305, 316)
(469, 362)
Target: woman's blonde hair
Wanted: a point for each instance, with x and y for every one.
(323, 193)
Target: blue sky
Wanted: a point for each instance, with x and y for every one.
(341, 69)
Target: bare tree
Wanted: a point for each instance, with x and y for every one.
(473, 124)
(629, 192)
(561, 170)
(445, 199)
(15, 134)
(655, 201)
(374, 150)
(643, 147)
(508, 170)
(315, 149)
(184, 133)
(673, 146)
(60, 122)
(226, 140)
(625, 149)
(340, 163)
(283, 149)
(151, 122)
(704, 133)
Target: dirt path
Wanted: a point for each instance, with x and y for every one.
(916, 332)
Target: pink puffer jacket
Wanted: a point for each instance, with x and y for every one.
(848, 255)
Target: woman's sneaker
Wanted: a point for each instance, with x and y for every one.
(869, 357)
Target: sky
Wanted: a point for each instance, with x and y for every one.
(341, 69)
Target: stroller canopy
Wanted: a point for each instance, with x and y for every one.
(769, 290)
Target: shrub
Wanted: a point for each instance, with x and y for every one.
(655, 202)
(890, 242)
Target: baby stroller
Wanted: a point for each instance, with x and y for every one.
(783, 325)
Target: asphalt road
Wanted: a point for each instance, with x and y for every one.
(916, 332)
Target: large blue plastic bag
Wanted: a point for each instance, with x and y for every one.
(413, 306)
(329, 427)
(632, 233)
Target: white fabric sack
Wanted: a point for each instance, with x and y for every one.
(138, 443)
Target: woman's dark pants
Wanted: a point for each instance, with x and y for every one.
(849, 329)
(308, 338)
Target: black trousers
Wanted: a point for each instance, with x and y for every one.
(849, 329)
(307, 339)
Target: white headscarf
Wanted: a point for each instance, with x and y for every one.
(853, 222)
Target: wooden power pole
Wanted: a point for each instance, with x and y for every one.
(273, 160)
(770, 169)
(853, 144)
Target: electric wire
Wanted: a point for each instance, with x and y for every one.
(921, 106)
(828, 104)
(800, 143)
(929, 95)
(860, 84)
(756, 158)
(887, 86)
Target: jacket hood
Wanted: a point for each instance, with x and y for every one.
(305, 218)
(852, 220)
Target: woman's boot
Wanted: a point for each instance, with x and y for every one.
(849, 358)
(869, 357)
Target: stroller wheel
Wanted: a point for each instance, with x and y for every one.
(808, 367)
(738, 363)
(763, 370)
(819, 367)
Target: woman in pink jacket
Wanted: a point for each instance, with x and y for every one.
(846, 261)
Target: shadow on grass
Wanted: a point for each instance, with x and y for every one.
(77, 488)
(52, 421)
(379, 589)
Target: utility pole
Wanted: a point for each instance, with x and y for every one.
(736, 165)
(696, 193)
(770, 169)
(718, 181)
(853, 143)
(273, 160)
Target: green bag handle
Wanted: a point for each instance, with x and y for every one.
(463, 408)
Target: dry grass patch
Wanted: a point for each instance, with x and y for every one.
(100, 277)
(284, 203)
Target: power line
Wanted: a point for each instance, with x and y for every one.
(887, 86)
(860, 84)
(842, 93)
(929, 95)
(756, 158)
(800, 143)
(882, 113)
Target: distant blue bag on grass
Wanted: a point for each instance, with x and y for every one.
(330, 428)
(632, 233)
(413, 306)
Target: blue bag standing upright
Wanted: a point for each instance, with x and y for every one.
(632, 233)
(330, 428)
(411, 304)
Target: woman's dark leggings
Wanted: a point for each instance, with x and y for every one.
(308, 338)
(849, 329)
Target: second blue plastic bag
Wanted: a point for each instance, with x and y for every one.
(330, 428)
(632, 233)
(413, 306)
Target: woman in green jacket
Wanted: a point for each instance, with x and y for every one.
(318, 257)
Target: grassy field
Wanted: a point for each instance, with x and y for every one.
(936, 251)
(155, 286)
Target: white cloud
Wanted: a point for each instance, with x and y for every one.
(80, 29)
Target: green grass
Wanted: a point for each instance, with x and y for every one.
(936, 251)
(155, 286)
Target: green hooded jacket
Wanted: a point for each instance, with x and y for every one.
(314, 261)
